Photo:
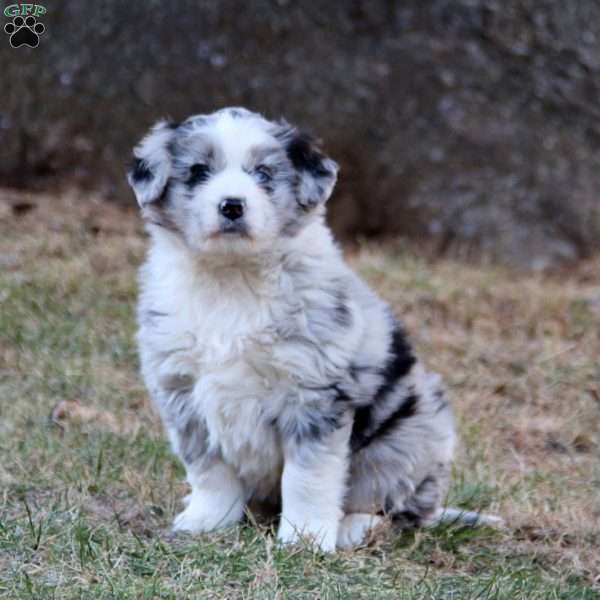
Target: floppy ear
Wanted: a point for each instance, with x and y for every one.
(317, 173)
(151, 166)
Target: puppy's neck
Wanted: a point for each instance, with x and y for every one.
(234, 265)
(230, 272)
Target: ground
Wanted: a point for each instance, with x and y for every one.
(88, 486)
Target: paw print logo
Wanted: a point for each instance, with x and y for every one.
(24, 32)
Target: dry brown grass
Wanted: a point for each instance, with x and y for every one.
(520, 353)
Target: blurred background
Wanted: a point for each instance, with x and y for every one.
(469, 127)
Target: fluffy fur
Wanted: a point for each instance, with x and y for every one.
(279, 375)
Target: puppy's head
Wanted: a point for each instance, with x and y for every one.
(230, 181)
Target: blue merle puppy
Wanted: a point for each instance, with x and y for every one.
(279, 375)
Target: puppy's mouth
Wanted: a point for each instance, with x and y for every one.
(233, 229)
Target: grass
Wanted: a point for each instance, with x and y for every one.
(88, 486)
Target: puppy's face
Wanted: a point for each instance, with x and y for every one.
(230, 181)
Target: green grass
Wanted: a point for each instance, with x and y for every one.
(86, 500)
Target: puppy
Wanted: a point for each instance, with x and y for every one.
(279, 375)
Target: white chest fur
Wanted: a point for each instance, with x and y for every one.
(223, 334)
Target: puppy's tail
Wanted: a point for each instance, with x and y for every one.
(467, 518)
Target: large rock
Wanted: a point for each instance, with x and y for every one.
(474, 124)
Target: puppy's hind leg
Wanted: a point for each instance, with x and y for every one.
(424, 509)
(423, 505)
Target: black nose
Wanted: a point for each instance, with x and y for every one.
(232, 208)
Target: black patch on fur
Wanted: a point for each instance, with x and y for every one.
(266, 183)
(199, 173)
(313, 423)
(193, 441)
(164, 196)
(268, 187)
(360, 426)
(406, 519)
(192, 122)
(179, 403)
(407, 409)
(424, 499)
(325, 424)
(304, 156)
(401, 361)
(441, 400)
(148, 317)
(155, 212)
(139, 171)
(342, 316)
(362, 423)
(356, 370)
(236, 114)
(341, 396)
(389, 505)
(313, 429)
(192, 435)
(173, 125)
(419, 507)
(412, 513)
(332, 391)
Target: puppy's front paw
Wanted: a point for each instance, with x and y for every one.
(320, 534)
(205, 513)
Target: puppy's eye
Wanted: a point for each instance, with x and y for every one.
(199, 172)
(263, 173)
